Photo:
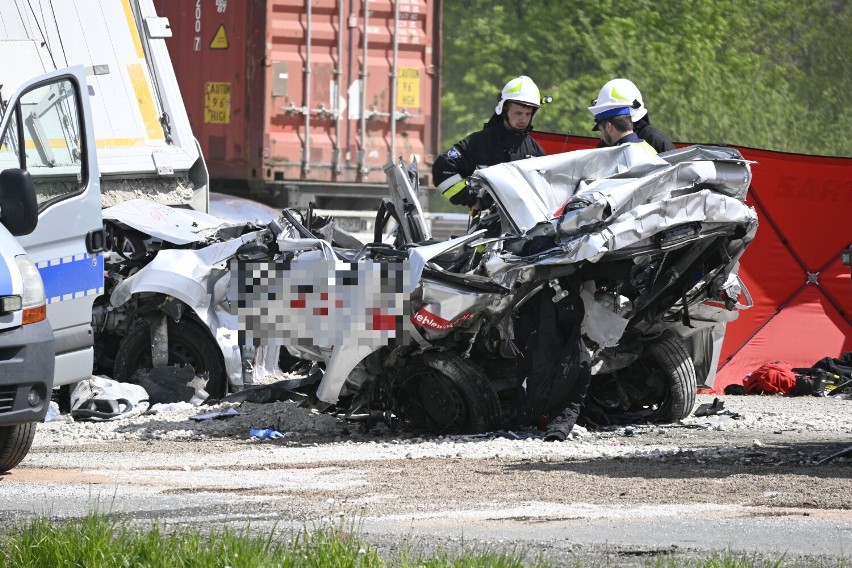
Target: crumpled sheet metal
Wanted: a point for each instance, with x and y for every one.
(420, 256)
(534, 190)
(601, 185)
(602, 201)
(638, 225)
(621, 196)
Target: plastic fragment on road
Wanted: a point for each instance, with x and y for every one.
(101, 399)
(218, 415)
(266, 434)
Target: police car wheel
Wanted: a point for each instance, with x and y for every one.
(15, 442)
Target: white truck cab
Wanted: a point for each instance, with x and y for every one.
(51, 267)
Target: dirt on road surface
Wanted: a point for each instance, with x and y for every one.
(766, 477)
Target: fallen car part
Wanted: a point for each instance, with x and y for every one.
(102, 399)
(285, 389)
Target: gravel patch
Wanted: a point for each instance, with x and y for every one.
(756, 422)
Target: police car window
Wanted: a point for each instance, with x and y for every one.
(52, 141)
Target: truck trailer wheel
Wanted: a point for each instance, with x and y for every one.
(189, 344)
(440, 393)
(15, 442)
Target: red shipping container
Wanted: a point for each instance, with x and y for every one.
(282, 103)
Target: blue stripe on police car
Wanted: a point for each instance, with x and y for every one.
(72, 277)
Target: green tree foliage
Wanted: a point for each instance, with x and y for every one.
(774, 74)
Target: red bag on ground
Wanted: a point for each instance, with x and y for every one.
(771, 378)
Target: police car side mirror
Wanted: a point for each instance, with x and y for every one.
(18, 204)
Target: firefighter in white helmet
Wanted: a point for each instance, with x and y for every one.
(620, 94)
(504, 138)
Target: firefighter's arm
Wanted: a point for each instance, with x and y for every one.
(450, 173)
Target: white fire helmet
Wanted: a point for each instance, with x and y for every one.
(619, 93)
(519, 90)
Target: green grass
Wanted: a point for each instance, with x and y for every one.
(100, 541)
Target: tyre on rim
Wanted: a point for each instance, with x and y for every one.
(660, 386)
(670, 357)
(440, 393)
(189, 344)
(15, 442)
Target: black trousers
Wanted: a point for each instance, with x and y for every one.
(554, 366)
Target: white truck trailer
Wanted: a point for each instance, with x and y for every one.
(153, 193)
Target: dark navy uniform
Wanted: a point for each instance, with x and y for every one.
(653, 136)
(659, 141)
(494, 144)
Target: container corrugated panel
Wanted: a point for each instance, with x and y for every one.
(277, 90)
(212, 46)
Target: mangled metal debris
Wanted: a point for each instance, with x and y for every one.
(648, 247)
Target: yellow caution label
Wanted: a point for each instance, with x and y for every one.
(217, 103)
(220, 38)
(408, 87)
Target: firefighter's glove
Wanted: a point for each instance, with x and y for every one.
(466, 197)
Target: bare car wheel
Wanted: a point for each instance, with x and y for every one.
(15, 442)
(440, 393)
(671, 358)
(189, 344)
(660, 386)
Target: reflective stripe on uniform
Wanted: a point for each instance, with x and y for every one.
(454, 190)
(449, 183)
(647, 147)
